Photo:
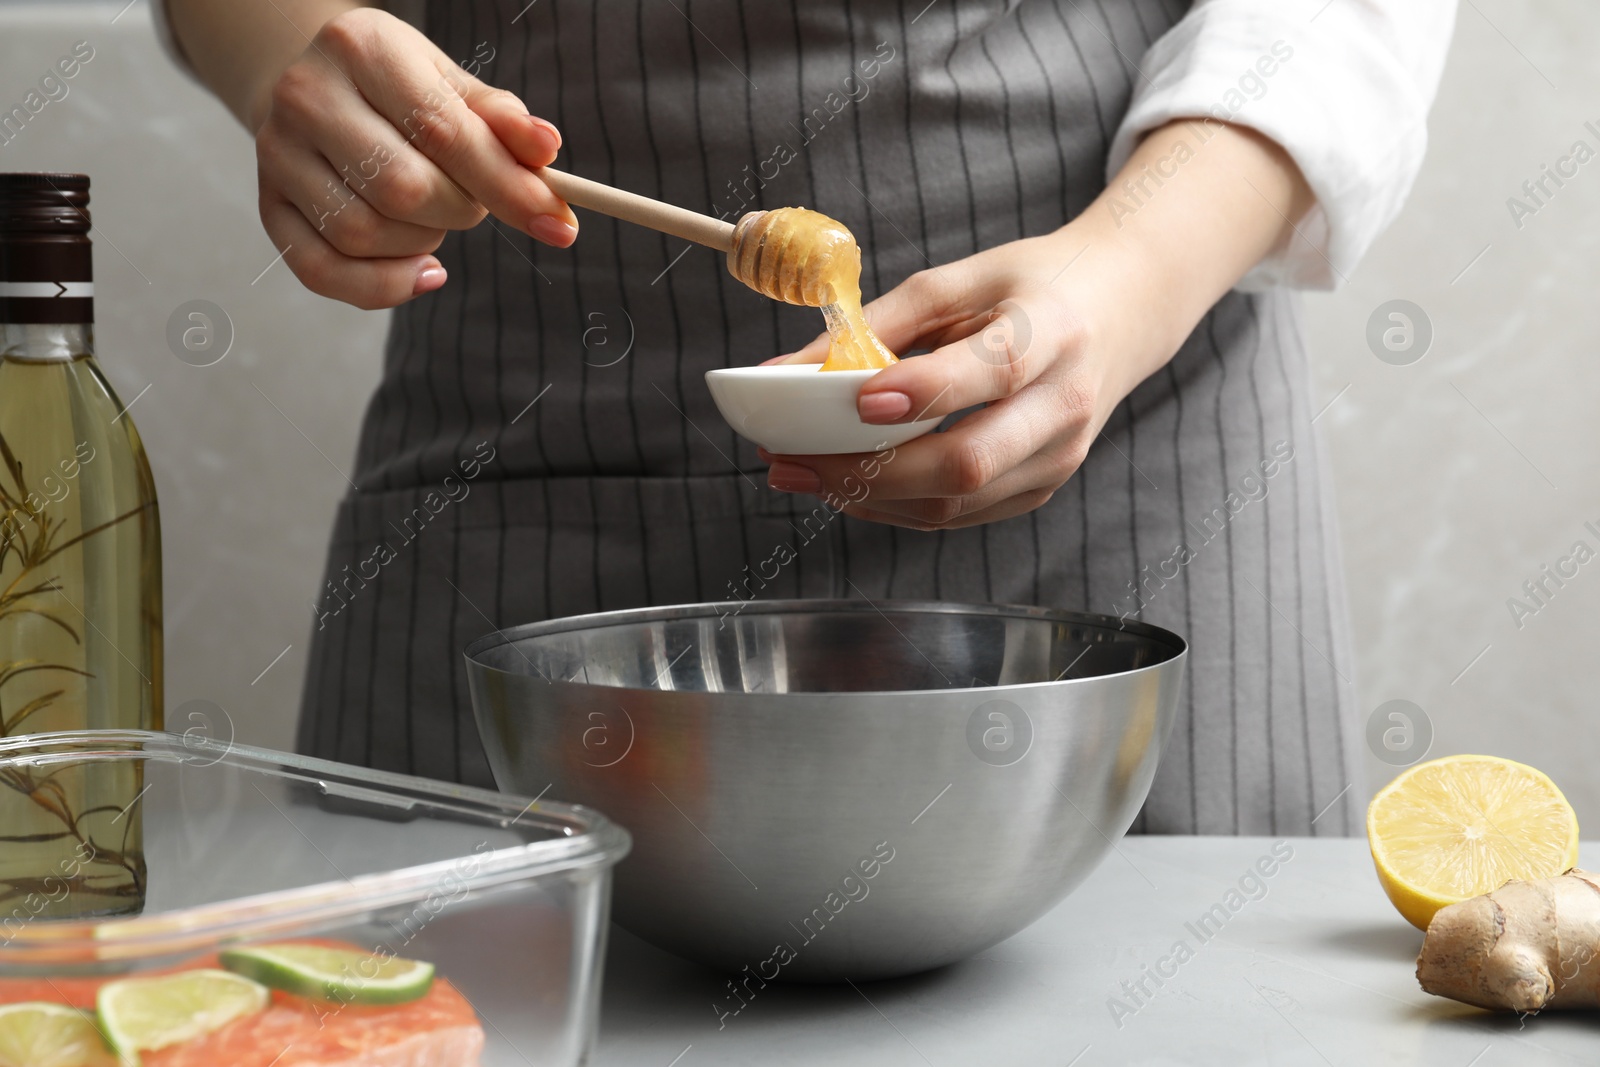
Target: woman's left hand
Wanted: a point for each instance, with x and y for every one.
(1005, 331)
(1050, 334)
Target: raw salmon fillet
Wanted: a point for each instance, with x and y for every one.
(439, 1029)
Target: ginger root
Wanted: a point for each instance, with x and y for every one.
(1527, 946)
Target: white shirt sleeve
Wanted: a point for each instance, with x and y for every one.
(1343, 85)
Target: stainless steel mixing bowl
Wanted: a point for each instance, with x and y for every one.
(831, 789)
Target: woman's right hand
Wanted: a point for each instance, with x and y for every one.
(373, 143)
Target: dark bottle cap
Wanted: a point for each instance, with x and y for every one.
(46, 268)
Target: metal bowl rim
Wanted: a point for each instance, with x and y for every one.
(708, 609)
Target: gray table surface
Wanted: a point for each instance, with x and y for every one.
(1319, 970)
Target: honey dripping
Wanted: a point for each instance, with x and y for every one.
(804, 257)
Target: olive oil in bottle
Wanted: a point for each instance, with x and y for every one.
(80, 570)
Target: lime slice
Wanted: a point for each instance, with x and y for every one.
(145, 1014)
(38, 1034)
(344, 975)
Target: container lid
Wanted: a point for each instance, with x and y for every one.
(46, 262)
(44, 203)
(239, 842)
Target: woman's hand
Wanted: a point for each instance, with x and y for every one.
(373, 143)
(1006, 332)
(1051, 333)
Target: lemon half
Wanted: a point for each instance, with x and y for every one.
(1461, 826)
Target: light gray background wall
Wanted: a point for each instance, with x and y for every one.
(1458, 475)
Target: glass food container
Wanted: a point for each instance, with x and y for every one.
(507, 897)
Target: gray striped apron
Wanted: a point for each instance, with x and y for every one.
(542, 443)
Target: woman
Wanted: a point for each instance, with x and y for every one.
(1146, 446)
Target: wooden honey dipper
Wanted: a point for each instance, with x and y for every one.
(783, 254)
(790, 254)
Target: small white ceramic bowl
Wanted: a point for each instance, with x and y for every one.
(793, 409)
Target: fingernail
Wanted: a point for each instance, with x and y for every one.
(793, 478)
(883, 407)
(428, 280)
(553, 231)
(549, 128)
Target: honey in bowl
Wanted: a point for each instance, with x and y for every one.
(802, 256)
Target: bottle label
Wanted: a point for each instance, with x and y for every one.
(45, 282)
(47, 290)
